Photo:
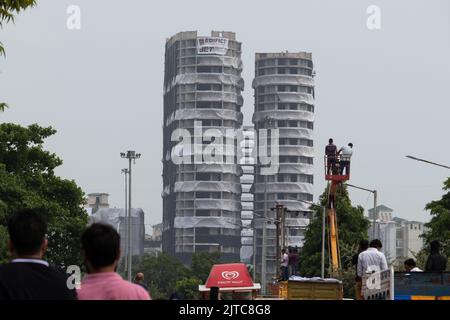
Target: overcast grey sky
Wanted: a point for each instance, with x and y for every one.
(101, 87)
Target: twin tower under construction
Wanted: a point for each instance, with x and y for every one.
(221, 199)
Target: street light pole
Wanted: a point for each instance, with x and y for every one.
(375, 209)
(254, 249)
(125, 172)
(375, 212)
(433, 163)
(323, 242)
(130, 155)
(324, 212)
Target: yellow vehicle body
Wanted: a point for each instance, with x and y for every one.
(308, 290)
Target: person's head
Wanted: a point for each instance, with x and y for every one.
(409, 265)
(330, 141)
(350, 145)
(100, 244)
(139, 277)
(376, 243)
(283, 251)
(363, 245)
(435, 246)
(27, 234)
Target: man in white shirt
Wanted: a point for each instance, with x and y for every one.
(372, 260)
(410, 266)
(345, 153)
(284, 265)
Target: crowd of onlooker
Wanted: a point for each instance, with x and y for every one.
(370, 259)
(29, 276)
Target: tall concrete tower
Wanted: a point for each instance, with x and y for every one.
(284, 99)
(201, 200)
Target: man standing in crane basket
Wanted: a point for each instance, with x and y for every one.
(345, 152)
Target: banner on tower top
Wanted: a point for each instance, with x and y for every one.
(212, 45)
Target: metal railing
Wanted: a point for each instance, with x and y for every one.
(337, 165)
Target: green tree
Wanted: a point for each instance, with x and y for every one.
(352, 228)
(202, 263)
(3, 248)
(8, 8)
(439, 226)
(27, 180)
(162, 273)
(188, 287)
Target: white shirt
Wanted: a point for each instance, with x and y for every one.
(285, 260)
(346, 153)
(38, 261)
(371, 260)
(415, 269)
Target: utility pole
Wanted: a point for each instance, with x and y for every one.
(130, 155)
(264, 235)
(279, 233)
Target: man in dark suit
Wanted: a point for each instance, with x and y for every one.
(28, 276)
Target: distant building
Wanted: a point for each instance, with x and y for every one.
(409, 242)
(384, 213)
(284, 100)
(116, 217)
(96, 201)
(153, 242)
(201, 200)
(400, 238)
(157, 232)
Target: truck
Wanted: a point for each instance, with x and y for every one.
(390, 285)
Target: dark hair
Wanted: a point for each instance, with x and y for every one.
(410, 263)
(330, 140)
(376, 243)
(27, 230)
(435, 246)
(350, 145)
(283, 250)
(363, 245)
(101, 244)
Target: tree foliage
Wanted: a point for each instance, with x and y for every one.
(166, 275)
(352, 228)
(162, 273)
(8, 9)
(202, 263)
(188, 287)
(27, 180)
(439, 226)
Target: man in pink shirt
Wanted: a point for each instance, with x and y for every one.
(101, 249)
